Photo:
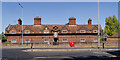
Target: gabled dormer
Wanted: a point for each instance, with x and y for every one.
(64, 30)
(27, 30)
(95, 29)
(46, 30)
(82, 29)
(13, 30)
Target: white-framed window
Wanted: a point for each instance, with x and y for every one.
(82, 40)
(13, 32)
(64, 40)
(46, 40)
(82, 31)
(27, 40)
(64, 31)
(95, 31)
(95, 40)
(46, 31)
(13, 41)
(27, 32)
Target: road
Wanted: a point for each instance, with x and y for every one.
(17, 53)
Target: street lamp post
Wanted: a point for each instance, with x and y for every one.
(98, 27)
(22, 22)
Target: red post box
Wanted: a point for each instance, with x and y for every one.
(72, 44)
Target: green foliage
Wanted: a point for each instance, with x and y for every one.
(8, 42)
(102, 39)
(111, 25)
(3, 37)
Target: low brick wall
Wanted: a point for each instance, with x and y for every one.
(60, 44)
(113, 41)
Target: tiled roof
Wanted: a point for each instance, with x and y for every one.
(38, 28)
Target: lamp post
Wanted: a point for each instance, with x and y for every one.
(22, 22)
(98, 27)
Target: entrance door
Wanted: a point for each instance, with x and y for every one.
(55, 41)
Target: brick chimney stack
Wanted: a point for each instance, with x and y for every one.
(89, 21)
(72, 21)
(19, 21)
(37, 20)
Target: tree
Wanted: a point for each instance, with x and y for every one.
(3, 37)
(111, 25)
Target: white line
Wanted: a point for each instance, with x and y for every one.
(51, 57)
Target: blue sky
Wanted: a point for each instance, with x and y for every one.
(57, 12)
(60, 0)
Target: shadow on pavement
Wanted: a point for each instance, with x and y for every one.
(117, 53)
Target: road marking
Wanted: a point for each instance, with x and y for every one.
(113, 56)
(101, 52)
(105, 53)
(51, 57)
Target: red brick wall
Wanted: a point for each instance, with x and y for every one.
(72, 21)
(113, 40)
(38, 39)
(37, 21)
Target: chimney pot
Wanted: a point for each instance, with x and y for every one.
(89, 21)
(19, 21)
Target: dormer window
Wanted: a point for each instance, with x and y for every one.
(27, 32)
(46, 28)
(46, 31)
(95, 31)
(82, 31)
(64, 31)
(13, 32)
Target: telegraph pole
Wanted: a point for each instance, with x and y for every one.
(22, 22)
(1, 16)
(98, 27)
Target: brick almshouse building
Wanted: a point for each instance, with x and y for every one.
(40, 33)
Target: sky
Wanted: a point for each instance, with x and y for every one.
(57, 12)
(60, 0)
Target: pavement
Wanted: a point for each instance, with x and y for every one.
(55, 46)
(19, 54)
(67, 49)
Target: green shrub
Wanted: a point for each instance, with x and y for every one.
(8, 41)
(102, 39)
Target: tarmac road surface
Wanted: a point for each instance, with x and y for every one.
(17, 53)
